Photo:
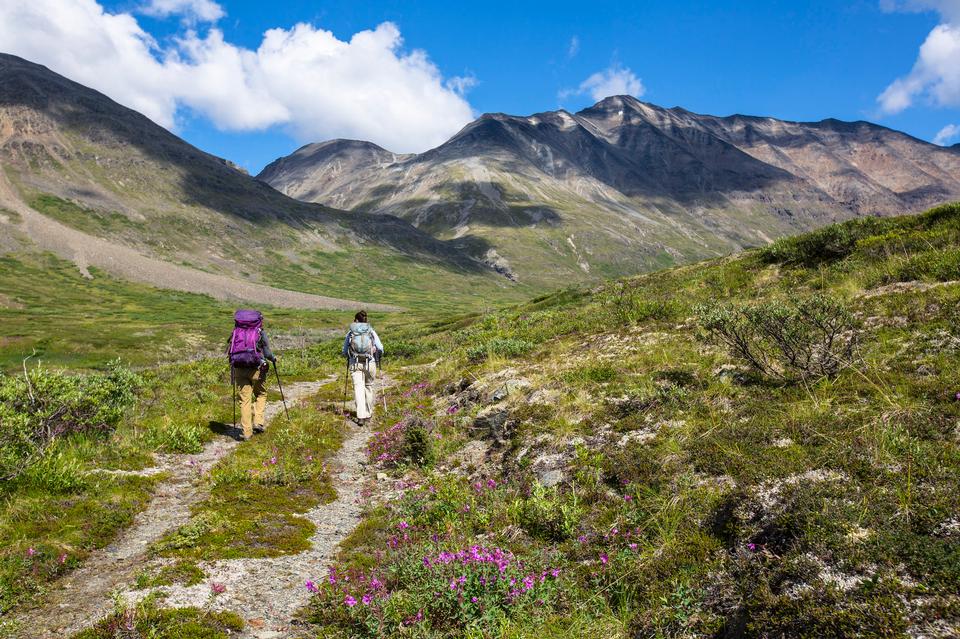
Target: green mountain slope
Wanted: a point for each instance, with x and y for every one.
(101, 185)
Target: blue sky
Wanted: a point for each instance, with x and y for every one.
(792, 60)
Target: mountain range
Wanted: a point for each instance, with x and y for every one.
(625, 186)
(508, 207)
(102, 185)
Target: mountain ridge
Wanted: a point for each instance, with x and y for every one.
(624, 185)
(86, 164)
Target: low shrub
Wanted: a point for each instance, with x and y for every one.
(815, 337)
(42, 405)
(828, 244)
(502, 346)
(409, 441)
(548, 513)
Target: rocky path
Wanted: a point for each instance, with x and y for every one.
(81, 598)
(268, 592)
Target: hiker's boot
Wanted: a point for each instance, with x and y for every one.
(258, 429)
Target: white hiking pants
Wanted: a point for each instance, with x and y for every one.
(364, 374)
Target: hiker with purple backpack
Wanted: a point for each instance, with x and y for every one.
(363, 349)
(250, 354)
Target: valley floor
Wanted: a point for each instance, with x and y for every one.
(764, 445)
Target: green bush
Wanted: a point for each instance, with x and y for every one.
(548, 513)
(418, 444)
(828, 244)
(42, 405)
(815, 337)
(629, 305)
(595, 373)
(503, 346)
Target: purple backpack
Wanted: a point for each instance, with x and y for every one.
(245, 341)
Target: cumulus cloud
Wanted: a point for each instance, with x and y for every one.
(190, 10)
(303, 78)
(614, 80)
(947, 134)
(936, 73)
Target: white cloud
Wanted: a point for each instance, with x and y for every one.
(947, 134)
(574, 47)
(304, 78)
(614, 80)
(191, 10)
(936, 73)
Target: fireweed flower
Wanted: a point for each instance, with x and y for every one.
(311, 587)
(349, 601)
(604, 558)
(366, 599)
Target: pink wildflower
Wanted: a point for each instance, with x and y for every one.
(62, 558)
(349, 601)
(604, 558)
(31, 551)
(217, 588)
(366, 599)
(312, 587)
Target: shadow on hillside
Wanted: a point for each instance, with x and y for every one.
(490, 203)
(687, 164)
(204, 180)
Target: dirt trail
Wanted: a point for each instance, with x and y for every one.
(269, 592)
(81, 598)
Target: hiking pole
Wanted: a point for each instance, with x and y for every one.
(282, 398)
(343, 400)
(383, 395)
(233, 382)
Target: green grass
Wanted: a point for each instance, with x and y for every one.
(60, 317)
(699, 496)
(723, 501)
(259, 491)
(177, 623)
(61, 528)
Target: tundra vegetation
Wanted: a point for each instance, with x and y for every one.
(760, 445)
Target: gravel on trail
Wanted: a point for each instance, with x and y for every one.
(264, 591)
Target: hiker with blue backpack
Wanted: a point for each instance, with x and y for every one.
(250, 357)
(363, 349)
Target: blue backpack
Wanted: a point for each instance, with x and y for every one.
(362, 346)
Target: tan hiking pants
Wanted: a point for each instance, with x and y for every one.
(364, 374)
(253, 397)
